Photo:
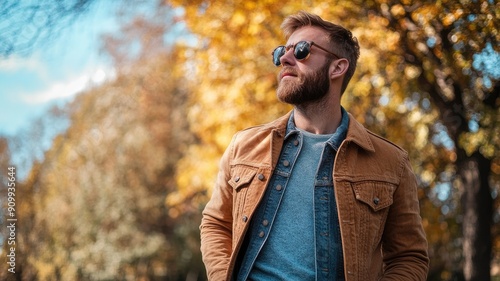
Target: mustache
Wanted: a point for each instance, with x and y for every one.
(290, 70)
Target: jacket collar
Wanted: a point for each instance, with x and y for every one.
(358, 134)
(279, 125)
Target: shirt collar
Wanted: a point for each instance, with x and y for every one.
(335, 140)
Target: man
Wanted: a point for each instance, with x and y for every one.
(314, 195)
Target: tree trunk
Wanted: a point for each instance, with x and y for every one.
(477, 205)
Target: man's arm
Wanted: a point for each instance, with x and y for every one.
(216, 224)
(404, 243)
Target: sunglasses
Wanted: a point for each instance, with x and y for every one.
(301, 51)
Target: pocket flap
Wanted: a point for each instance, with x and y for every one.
(377, 195)
(241, 176)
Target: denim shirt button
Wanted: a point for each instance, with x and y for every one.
(265, 222)
(261, 177)
(296, 142)
(279, 187)
(286, 163)
(376, 200)
(261, 234)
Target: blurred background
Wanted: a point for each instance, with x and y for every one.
(115, 115)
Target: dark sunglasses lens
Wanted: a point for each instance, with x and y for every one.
(302, 50)
(277, 54)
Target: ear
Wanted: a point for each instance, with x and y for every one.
(338, 68)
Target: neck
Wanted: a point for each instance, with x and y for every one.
(321, 117)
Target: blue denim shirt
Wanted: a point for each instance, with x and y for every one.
(328, 244)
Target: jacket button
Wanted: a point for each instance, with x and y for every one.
(261, 177)
(245, 218)
(236, 179)
(376, 200)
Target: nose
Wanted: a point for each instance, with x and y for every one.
(288, 58)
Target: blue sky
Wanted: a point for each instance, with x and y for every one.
(55, 71)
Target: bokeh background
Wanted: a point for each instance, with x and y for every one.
(112, 174)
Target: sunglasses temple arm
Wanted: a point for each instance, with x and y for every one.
(312, 43)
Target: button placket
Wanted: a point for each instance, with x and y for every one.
(261, 223)
(327, 230)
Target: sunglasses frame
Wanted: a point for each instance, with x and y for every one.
(309, 43)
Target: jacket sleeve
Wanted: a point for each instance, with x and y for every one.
(404, 244)
(216, 224)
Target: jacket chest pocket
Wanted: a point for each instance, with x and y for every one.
(241, 177)
(372, 203)
(241, 180)
(375, 195)
(248, 183)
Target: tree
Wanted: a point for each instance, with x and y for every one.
(98, 194)
(445, 43)
(100, 190)
(26, 24)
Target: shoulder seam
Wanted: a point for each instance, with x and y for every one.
(387, 141)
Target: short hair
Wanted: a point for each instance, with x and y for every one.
(344, 43)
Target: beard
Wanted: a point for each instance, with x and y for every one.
(309, 88)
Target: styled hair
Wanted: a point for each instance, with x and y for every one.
(343, 43)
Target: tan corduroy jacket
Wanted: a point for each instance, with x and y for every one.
(376, 195)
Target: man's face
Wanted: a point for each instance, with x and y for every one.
(302, 82)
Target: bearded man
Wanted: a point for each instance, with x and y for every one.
(314, 195)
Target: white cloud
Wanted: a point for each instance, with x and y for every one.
(15, 63)
(70, 88)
